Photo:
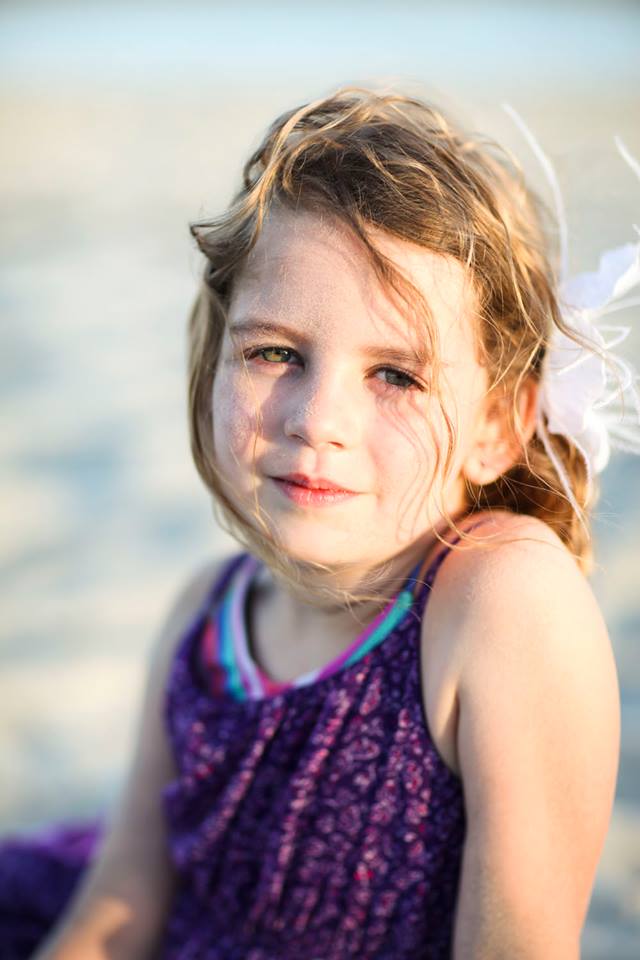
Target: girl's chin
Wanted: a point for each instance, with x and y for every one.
(335, 552)
(349, 549)
(345, 567)
(334, 556)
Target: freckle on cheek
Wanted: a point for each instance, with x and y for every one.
(234, 422)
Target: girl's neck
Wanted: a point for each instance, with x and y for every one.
(289, 637)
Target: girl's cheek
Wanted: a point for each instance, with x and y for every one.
(235, 415)
(408, 436)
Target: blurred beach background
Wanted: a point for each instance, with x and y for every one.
(123, 122)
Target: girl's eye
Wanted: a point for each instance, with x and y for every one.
(397, 378)
(273, 355)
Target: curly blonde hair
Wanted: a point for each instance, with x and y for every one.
(392, 162)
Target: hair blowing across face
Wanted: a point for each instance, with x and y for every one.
(397, 164)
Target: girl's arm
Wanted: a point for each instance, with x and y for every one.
(538, 745)
(120, 909)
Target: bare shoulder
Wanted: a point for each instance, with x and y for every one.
(511, 599)
(515, 577)
(536, 738)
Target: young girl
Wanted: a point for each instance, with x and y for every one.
(389, 728)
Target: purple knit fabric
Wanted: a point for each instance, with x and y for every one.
(38, 874)
(319, 823)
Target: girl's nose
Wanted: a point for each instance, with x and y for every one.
(323, 411)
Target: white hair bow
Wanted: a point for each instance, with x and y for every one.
(588, 393)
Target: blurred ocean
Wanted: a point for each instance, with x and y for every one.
(122, 123)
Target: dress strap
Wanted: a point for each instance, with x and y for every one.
(203, 629)
(222, 581)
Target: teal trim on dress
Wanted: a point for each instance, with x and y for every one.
(404, 602)
(227, 656)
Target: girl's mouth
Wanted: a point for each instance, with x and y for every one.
(307, 492)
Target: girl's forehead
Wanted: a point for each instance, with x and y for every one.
(312, 265)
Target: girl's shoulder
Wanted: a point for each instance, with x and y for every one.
(504, 543)
(516, 570)
(535, 729)
(499, 527)
(512, 602)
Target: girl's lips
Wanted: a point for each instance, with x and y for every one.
(312, 496)
(314, 483)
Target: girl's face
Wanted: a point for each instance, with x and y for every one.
(322, 380)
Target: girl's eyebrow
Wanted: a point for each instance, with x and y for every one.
(258, 327)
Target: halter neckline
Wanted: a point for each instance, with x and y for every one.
(226, 650)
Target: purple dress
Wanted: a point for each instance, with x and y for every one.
(313, 819)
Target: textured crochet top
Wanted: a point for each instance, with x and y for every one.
(313, 819)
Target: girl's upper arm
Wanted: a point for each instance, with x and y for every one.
(120, 908)
(538, 743)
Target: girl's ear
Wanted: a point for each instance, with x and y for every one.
(497, 447)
